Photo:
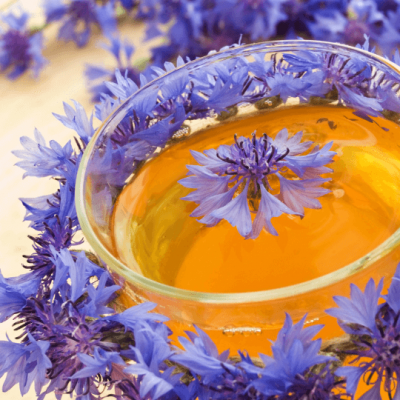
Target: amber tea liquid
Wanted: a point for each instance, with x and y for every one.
(152, 228)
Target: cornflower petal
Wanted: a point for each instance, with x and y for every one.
(77, 120)
(149, 353)
(97, 364)
(210, 160)
(123, 87)
(269, 207)
(206, 186)
(352, 375)
(201, 356)
(286, 85)
(136, 314)
(282, 142)
(299, 194)
(24, 363)
(11, 301)
(99, 297)
(237, 212)
(362, 308)
(393, 296)
(373, 394)
(214, 202)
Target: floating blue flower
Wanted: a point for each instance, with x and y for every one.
(375, 333)
(231, 175)
(77, 12)
(19, 49)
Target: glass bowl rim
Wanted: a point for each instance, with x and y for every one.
(224, 298)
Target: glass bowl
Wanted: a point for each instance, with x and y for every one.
(187, 100)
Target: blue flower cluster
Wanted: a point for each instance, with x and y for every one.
(192, 28)
(196, 27)
(250, 163)
(79, 16)
(375, 331)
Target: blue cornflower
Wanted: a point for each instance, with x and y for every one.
(375, 333)
(19, 49)
(201, 357)
(286, 85)
(77, 12)
(98, 364)
(256, 18)
(40, 160)
(130, 317)
(122, 52)
(289, 373)
(377, 19)
(24, 363)
(351, 78)
(149, 353)
(327, 27)
(77, 120)
(231, 175)
(14, 293)
(215, 376)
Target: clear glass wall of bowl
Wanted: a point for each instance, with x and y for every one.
(214, 90)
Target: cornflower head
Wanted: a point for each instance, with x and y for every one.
(215, 376)
(98, 76)
(80, 13)
(350, 80)
(296, 371)
(375, 331)
(20, 50)
(230, 178)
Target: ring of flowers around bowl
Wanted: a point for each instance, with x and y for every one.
(73, 340)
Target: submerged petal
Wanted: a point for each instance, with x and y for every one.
(302, 193)
(270, 207)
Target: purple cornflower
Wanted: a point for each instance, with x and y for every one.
(256, 18)
(375, 331)
(290, 373)
(229, 177)
(149, 354)
(80, 12)
(19, 49)
(122, 52)
(24, 363)
(356, 85)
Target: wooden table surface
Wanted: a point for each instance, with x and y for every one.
(28, 103)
